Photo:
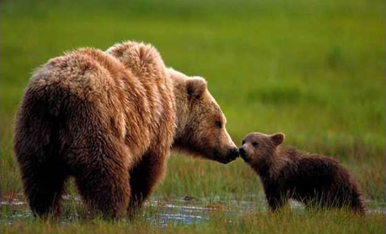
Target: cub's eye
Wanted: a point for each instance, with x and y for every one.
(243, 142)
(218, 124)
(255, 144)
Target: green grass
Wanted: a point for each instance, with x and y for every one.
(311, 69)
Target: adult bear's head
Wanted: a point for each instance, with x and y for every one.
(201, 123)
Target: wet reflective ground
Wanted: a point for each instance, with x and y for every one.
(161, 212)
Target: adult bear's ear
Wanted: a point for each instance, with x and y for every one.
(278, 138)
(195, 87)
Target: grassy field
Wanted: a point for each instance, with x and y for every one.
(311, 69)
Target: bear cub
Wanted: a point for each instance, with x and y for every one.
(286, 173)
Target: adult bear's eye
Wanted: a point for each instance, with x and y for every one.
(255, 144)
(218, 124)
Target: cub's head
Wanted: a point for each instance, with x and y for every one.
(258, 148)
(201, 124)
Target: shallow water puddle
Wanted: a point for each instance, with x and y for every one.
(177, 213)
(192, 211)
(161, 212)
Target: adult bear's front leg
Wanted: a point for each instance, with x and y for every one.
(144, 177)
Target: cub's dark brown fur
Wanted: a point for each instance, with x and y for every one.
(289, 174)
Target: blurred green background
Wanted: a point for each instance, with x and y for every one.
(313, 69)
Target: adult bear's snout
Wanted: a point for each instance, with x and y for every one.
(233, 153)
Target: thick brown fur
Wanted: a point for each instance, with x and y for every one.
(109, 119)
(316, 180)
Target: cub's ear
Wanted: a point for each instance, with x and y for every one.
(278, 138)
(195, 87)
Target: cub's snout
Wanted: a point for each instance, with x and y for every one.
(242, 151)
(244, 154)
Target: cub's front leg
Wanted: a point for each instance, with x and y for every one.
(276, 198)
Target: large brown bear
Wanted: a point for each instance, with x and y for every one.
(110, 119)
(287, 173)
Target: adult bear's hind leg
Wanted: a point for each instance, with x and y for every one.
(44, 185)
(102, 180)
